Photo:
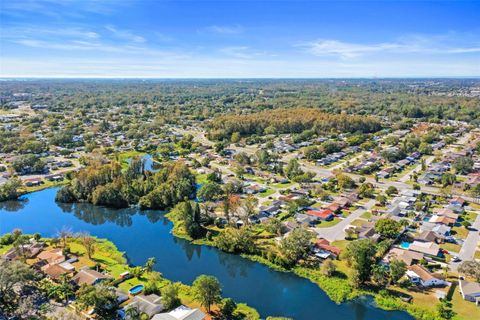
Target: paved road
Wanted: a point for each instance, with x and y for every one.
(336, 232)
(418, 168)
(467, 252)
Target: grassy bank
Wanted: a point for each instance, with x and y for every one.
(337, 287)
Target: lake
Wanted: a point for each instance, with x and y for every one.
(148, 234)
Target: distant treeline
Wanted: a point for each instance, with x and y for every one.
(293, 120)
(110, 186)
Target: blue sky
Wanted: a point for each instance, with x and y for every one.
(231, 39)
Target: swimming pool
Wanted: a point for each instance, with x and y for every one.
(136, 290)
(405, 245)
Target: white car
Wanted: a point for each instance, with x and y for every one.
(456, 259)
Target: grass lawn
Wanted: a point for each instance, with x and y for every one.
(469, 216)
(464, 310)
(451, 247)
(4, 249)
(282, 185)
(45, 185)
(342, 244)
(366, 215)
(358, 222)
(326, 224)
(201, 178)
(266, 193)
(460, 232)
(477, 254)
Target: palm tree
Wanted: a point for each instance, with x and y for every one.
(150, 264)
(132, 313)
(64, 234)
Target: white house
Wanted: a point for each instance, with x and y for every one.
(470, 291)
(419, 275)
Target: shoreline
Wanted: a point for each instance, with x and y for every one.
(337, 289)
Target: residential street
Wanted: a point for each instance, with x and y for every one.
(469, 245)
(336, 232)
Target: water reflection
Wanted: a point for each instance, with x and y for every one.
(14, 205)
(99, 215)
(232, 265)
(146, 234)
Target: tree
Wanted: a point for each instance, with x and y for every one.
(380, 275)
(207, 290)
(13, 274)
(211, 191)
(397, 270)
(293, 169)
(101, 297)
(360, 256)
(328, 268)
(89, 244)
(170, 297)
(381, 199)
(150, 264)
(227, 308)
(296, 245)
(444, 309)
(470, 269)
(345, 182)
(387, 227)
(463, 165)
(10, 189)
(64, 234)
(391, 190)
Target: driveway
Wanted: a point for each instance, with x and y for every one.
(336, 232)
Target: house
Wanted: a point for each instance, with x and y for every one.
(29, 250)
(305, 219)
(427, 248)
(150, 305)
(324, 250)
(409, 257)
(367, 231)
(89, 276)
(470, 291)
(429, 236)
(457, 201)
(55, 271)
(33, 182)
(334, 207)
(324, 215)
(421, 276)
(442, 220)
(54, 256)
(181, 313)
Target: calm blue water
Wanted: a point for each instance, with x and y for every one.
(405, 245)
(148, 234)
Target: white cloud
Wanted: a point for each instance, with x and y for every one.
(230, 29)
(416, 44)
(125, 34)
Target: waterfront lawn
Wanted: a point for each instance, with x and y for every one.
(5, 248)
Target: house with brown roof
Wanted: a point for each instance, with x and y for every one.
(89, 276)
(427, 248)
(55, 271)
(420, 275)
(52, 256)
(429, 236)
(409, 257)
